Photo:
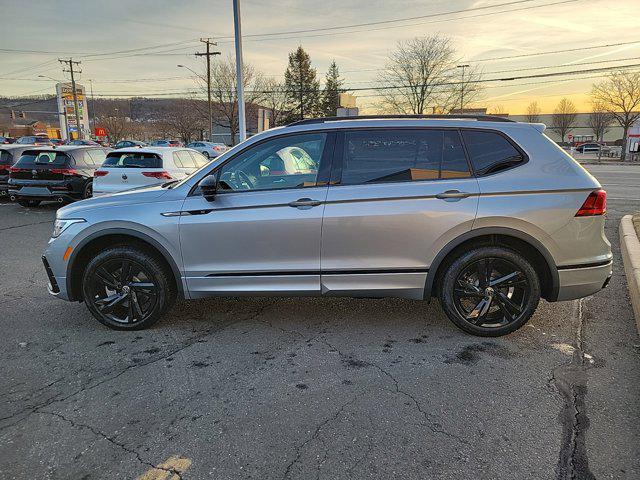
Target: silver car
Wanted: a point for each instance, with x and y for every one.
(209, 149)
(486, 214)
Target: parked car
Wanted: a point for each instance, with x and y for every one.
(83, 141)
(209, 149)
(486, 214)
(129, 144)
(9, 155)
(166, 143)
(34, 140)
(132, 168)
(56, 141)
(6, 140)
(61, 174)
(590, 148)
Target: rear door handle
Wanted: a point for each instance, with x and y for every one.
(452, 194)
(305, 202)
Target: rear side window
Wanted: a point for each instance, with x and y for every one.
(43, 158)
(97, 157)
(375, 156)
(490, 152)
(5, 157)
(199, 159)
(183, 159)
(132, 160)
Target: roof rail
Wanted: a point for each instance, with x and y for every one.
(480, 118)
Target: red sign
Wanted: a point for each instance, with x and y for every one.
(100, 132)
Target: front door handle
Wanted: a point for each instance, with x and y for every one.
(305, 202)
(452, 194)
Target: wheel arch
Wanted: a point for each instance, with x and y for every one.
(517, 240)
(110, 237)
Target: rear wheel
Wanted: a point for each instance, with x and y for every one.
(29, 203)
(206, 154)
(125, 288)
(88, 190)
(490, 291)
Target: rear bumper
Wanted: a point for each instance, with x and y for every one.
(45, 195)
(583, 281)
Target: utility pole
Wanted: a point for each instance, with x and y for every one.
(70, 63)
(208, 54)
(242, 123)
(462, 87)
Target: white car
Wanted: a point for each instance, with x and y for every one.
(129, 168)
(209, 149)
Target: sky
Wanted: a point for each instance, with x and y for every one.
(132, 47)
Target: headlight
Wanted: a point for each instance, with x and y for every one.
(61, 225)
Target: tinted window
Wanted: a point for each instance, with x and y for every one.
(43, 158)
(490, 152)
(5, 157)
(402, 156)
(133, 160)
(285, 162)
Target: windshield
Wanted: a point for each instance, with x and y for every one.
(133, 160)
(43, 158)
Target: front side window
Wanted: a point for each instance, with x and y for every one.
(490, 152)
(292, 161)
(402, 155)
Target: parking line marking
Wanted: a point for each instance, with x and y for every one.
(167, 470)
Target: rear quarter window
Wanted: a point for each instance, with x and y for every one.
(132, 160)
(491, 152)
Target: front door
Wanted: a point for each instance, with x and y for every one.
(397, 196)
(261, 233)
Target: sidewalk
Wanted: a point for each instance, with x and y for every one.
(630, 246)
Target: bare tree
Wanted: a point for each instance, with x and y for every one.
(533, 113)
(619, 94)
(184, 119)
(498, 110)
(116, 124)
(225, 94)
(417, 74)
(564, 117)
(599, 121)
(275, 100)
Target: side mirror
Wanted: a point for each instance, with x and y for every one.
(209, 186)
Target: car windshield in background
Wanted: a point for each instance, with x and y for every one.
(133, 160)
(43, 158)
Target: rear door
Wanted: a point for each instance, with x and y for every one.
(397, 196)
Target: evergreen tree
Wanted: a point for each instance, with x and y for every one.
(302, 87)
(332, 90)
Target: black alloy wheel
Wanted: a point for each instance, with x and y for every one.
(127, 289)
(88, 190)
(490, 291)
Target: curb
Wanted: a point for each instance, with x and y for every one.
(630, 246)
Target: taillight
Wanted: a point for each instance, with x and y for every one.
(64, 171)
(161, 175)
(217, 149)
(100, 173)
(595, 204)
(16, 169)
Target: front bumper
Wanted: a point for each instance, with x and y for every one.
(584, 281)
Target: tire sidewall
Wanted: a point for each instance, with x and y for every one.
(451, 274)
(153, 267)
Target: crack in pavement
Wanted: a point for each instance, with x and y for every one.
(25, 225)
(315, 434)
(571, 382)
(192, 341)
(435, 427)
(112, 441)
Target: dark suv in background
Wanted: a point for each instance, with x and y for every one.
(55, 174)
(9, 155)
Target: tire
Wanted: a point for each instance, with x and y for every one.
(206, 154)
(125, 282)
(29, 203)
(88, 191)
(512, 291)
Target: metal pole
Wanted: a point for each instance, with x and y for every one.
(209, 89)
(242, 124)
(462, 87)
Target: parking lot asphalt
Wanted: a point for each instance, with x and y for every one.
(314, 388)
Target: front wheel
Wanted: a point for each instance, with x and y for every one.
(490, 291)
(126, 288)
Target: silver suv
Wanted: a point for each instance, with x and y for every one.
(486, 214)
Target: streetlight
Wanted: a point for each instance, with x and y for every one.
(50, 78)
(208, 82)
(242, 124)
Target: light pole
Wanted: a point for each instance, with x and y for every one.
(462, 86)
(242, 124)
